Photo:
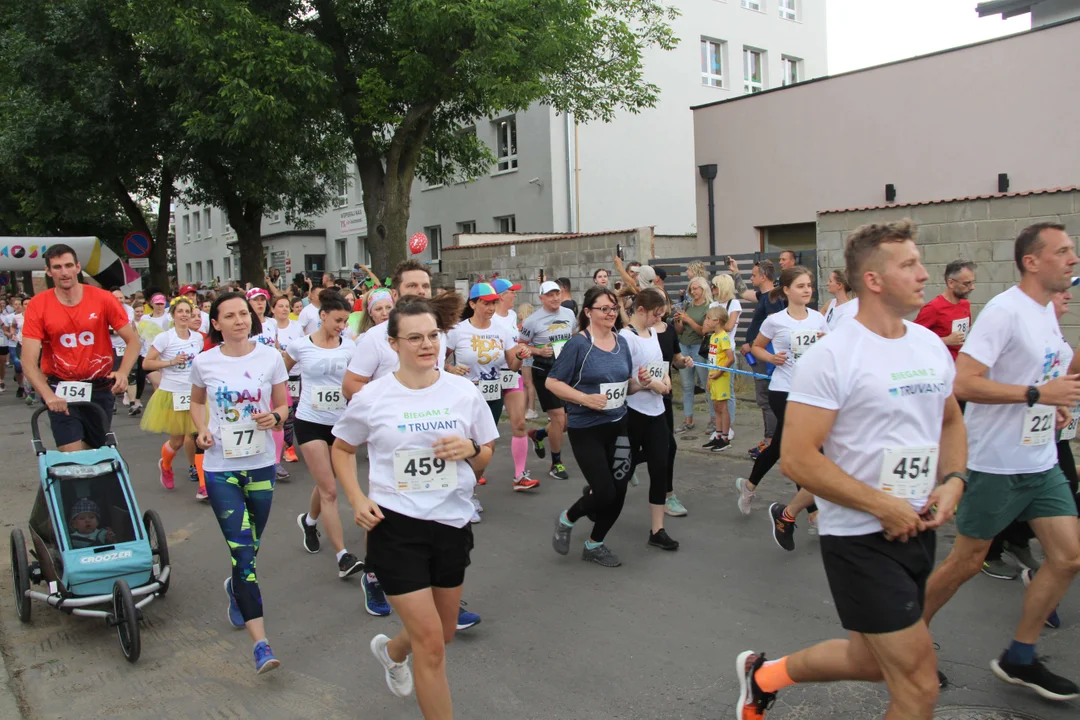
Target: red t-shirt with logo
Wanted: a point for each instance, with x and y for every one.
(939, 315)
(75, 343)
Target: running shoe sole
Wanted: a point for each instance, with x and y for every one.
(300, 522)
(744, 687)
(1041, 691)
(466, 626)
(272, 664)
(525, 488)
(357, 567)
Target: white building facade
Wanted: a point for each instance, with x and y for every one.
(552, 175)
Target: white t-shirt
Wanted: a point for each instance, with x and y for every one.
(319, 368)
(889, 393)
(7, 319)
(177, 378)
(236, 389)
(269, 333)
(204, 326)
(118, 343)
(1020, 341)
(286, 335)
(374, 357)
(309, 319)
(842, 313)
(162, 322)
(19, 318)
(482, 351)
(733, 306)
(392, 417)
(793, 337)
(644, 350)
(510, 321)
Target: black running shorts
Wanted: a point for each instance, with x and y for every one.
(305, 431)
(548, 400)
(878, 585)
(407, 554)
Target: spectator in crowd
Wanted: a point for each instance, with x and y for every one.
(564, 289)
(787, 260)
(763, 278)
(600, 277)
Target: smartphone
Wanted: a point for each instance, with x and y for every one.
(543, 277)
(618, 285)
(618, 250)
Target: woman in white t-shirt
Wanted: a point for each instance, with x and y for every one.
(287, 330)
(267, 335)
(240, 386)
(321, 358)
(792, 332)
(429, 434)
(158, 316)
(172, 352)
(488, 354)
(646, 425)
(840, 290)
(724, 293)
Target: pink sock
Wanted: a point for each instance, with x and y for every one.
(279, 444)
(519, 448)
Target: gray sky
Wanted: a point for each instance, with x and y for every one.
(870, 32)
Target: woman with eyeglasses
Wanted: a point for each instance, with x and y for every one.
(593, 375)
(429, 435)
(492, 359)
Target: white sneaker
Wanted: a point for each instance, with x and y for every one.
(730, 434)
(398, 675)
(531, 415)
(476, 504)
(475, 517)
(746, 496)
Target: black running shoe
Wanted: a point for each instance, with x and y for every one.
(720, 445)
(311, 533)
(753, 701)
(660, 539)
(348, 565)
(783, 532)
(20, 392)
(1035, 676)
(537, 443)
(712, 441)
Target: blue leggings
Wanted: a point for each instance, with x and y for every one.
(241, 501)
(16, 359)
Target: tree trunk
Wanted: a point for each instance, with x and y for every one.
(27, 281)
(387, 208)
(159, 247)
(246, 219)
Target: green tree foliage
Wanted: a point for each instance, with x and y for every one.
(410, 74)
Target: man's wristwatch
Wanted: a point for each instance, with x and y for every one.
(1032, 395)
(475, 447)
(962, 476)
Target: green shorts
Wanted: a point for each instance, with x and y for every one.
(991, 502)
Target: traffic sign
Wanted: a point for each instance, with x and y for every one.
(139, 263)
(4, 279)
(137, 244)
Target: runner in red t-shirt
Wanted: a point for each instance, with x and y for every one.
(949, 314)
(67, 329)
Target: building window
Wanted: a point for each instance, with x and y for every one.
(187, 229)
(198, 270)
(342, 198)
(791, 70)
(209, 269)
(343, 260)
(206, 218)
(434, 241)
(362, 256)
(753, 70)
(712, 64)
(187, 267)
(506, 224)
(469, 226)
(228, 268)
(275, 218)
(787, 9)
(197, 221)
(752, 5)
(506, 143)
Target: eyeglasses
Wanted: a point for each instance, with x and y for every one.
(416, 339)
(606, 309)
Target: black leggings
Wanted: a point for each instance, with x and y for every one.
(649, 445)
(602, 453)
(768, 457)
(140, 378)
(669, 418)
(288, 425)
(1019, 533)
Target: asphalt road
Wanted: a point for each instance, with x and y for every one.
(560, 638)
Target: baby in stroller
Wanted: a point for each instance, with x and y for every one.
(85, 518)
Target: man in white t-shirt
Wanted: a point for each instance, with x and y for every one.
(309, 316)
(876, 394)
(1012, 374)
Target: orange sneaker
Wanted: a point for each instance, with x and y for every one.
(482, 480)
(290, 454)
(525, 482)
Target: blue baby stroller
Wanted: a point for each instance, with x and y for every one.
(88, 545)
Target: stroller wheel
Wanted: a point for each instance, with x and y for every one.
(159, 546)
(126, 618)
(20, 575)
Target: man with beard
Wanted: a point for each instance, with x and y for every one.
(949, 314)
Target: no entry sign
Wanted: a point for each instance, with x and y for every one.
(137, 244)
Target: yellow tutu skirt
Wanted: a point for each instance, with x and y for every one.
(159, 416)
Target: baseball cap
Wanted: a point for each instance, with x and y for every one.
(187, 289)
(502, 285)
(483, 291)
(549, 286)
(256, 291)
(646, 276)
(158, 299)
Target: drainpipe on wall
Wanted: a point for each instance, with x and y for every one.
(571, 178)
(708, 173)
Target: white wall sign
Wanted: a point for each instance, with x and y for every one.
(352, 221)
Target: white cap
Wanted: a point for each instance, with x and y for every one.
(646, 276)
(548, 286)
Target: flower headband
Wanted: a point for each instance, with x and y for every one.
(380, 294)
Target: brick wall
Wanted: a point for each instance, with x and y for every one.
(574, 256)
(981, 229)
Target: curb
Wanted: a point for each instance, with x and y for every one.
(9, 704)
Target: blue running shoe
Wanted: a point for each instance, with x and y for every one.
(193, 474)
(1052, 620)
(466, 619)
(235, 618)
(374, 597)
(264, 658)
